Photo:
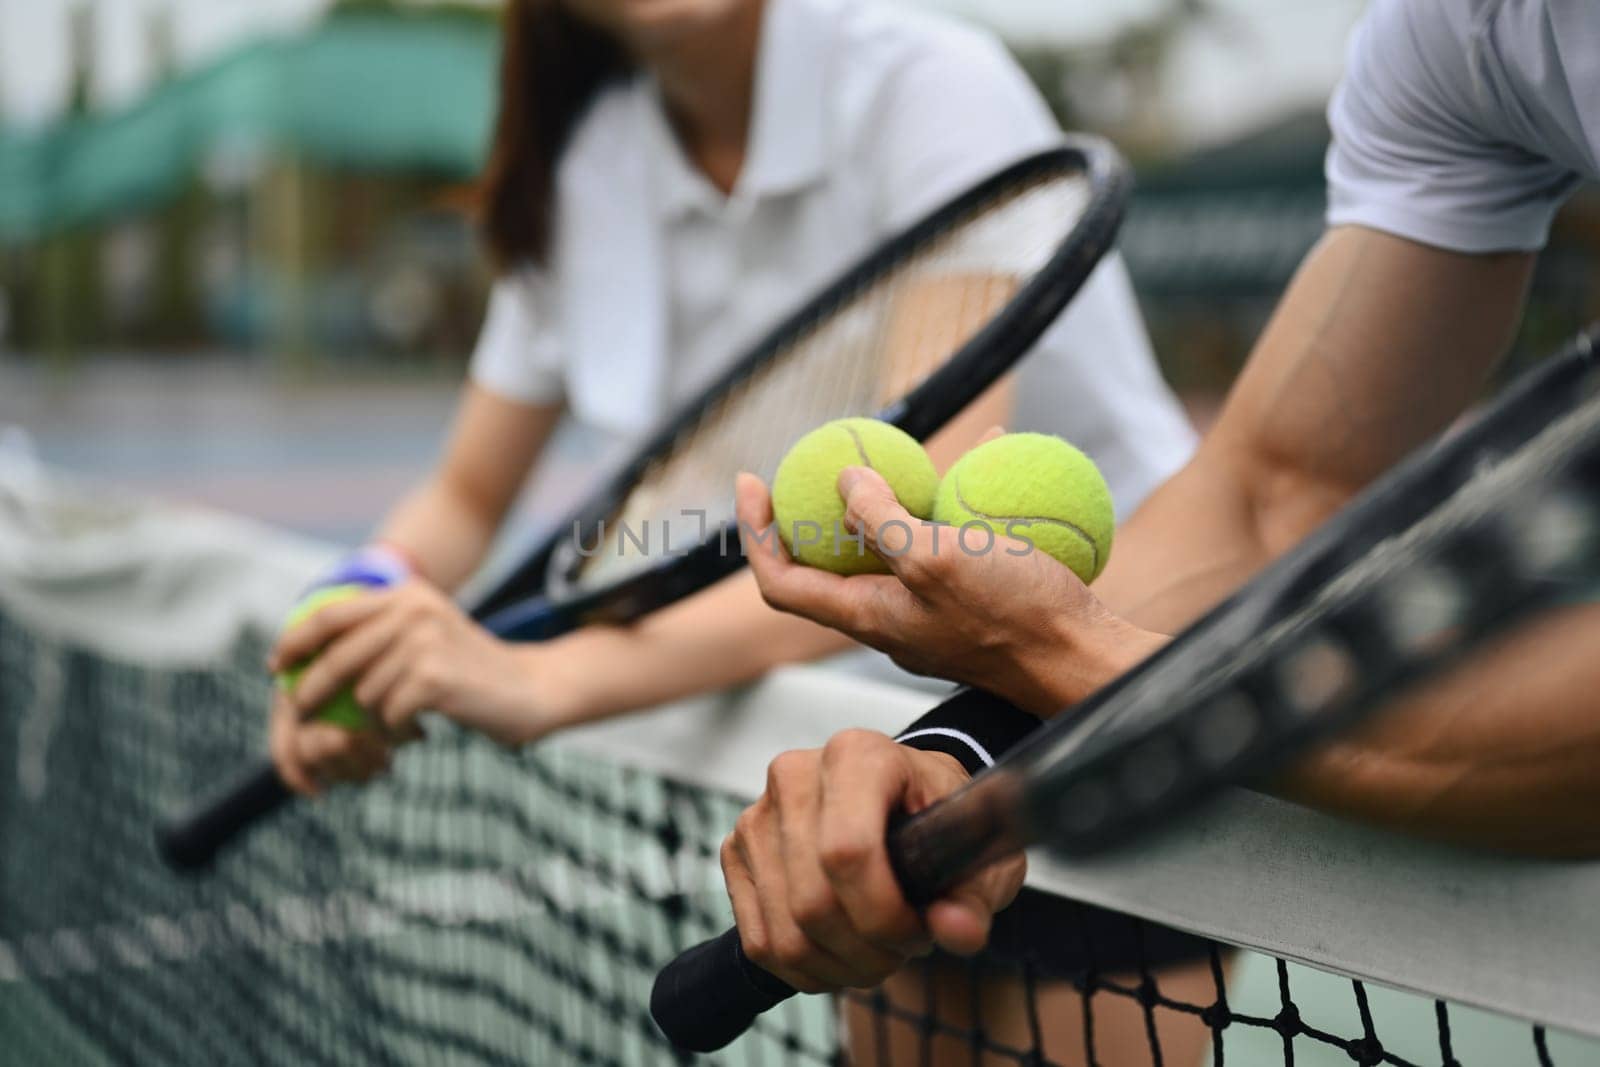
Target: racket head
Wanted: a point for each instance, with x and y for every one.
(1066, 202)
(1016, 248)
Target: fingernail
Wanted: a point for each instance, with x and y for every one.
(848, 479)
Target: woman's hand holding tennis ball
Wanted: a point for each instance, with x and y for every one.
(329, 742)
(358, 665)
(341, 709)
(991, 606)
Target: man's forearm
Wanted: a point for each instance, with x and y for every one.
(1502, 752)
(1190, 546)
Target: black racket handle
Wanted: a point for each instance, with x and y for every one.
(698, 1022)
(191, 842)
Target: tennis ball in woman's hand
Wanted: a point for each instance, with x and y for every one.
(805, 493)
(342, 710)
(1035, 488)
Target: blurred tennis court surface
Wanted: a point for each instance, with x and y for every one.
(490, 908)
(324, 456)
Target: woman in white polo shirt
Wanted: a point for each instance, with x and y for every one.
(666, 181)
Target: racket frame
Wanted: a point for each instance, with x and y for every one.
(540, 599)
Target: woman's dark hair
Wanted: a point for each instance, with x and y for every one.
(552, 66)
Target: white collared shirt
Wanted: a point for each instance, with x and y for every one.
(1465, 124)
(865, 118)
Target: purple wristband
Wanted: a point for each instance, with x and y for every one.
(373, 565)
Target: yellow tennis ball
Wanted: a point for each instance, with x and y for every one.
(342, 710)
(805, 493)
(1035, 488)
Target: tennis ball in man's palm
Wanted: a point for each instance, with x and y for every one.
(1036, 488)
(805, 493)
(342, 710)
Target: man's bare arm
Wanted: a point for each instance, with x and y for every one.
(1378, 345)
(1502, 752)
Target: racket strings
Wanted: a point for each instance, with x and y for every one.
(876, 344)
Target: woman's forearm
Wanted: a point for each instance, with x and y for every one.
(448, 522)
(723, 637)
(446, 537)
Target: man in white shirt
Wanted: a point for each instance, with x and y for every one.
(1459, 129)
(1464, 126)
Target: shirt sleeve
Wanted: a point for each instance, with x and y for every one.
(949, 117)
(1421, 146)
(518, 355)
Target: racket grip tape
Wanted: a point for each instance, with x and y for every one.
(191, 841)
(738, 989)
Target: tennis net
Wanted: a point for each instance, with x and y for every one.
(487, 907)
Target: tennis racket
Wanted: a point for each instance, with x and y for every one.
(912, 333)
(1457, 545)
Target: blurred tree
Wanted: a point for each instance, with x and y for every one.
(71, 292)
(477, 11)
(1119, 87)
(175, 317)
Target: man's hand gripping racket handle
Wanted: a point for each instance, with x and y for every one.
(712, 993)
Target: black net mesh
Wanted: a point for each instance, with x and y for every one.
(483, 907)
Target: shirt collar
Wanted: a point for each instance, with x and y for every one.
(788, 118)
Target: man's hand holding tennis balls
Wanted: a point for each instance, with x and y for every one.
(1016, 622)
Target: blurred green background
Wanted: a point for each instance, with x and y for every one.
(295, 186)
(209, 206)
